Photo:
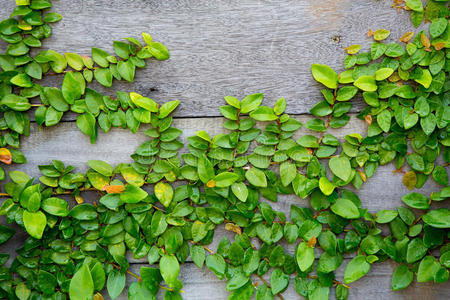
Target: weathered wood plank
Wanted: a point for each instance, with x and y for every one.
(228, 47)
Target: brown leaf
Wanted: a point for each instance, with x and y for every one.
(233, 228)
(368, 119)
(312, 242)
(439, 46)
(369, 33)
(425, 41)
(5, 156)
(113, 189)
(407, 37)
(410, 180)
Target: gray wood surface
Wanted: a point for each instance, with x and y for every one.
(227, 47)
(220, 48)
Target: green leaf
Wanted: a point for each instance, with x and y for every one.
(122, 49)
(138, 291)
(159, 224)
(415, 251)
(144, 102)
(216, 264)
(325, 75)
(55, 206)
(22, 80)
(439, 218)
(198, 255)
(103, 76)
(278, 281)
(87, 124)
(326, 187)
(427, 269)
(81, 284)
(345, 208)
(151, 278)
(159, 51)
(251, 102)
(205, 169)
(73, 86)
(416, 200)
(385, 216)
(167, 108)
(240, 190)
(263, 113)
(15, 102)
(116, 283)
(346, 93)
(83, 212)
(6, 233)
(126, 70)
(100, 57)
(46, 282)
(238, 280)
(101, 167)
(280, 106)
(164, 193)
(75, 61)
(170, 268)
(33, 69)
(98, 276)
(425, 78)
(383, 73)
(35, 223)
(256, 177)
(356, 268)
(438, 26)
(415, 5)
(401, 278)
(384, 120)
(366, 83)
(133, 194)
(440, 175)
(304, 256)
(288, 171)
(56, 99)
(225, 179)
(340, 166)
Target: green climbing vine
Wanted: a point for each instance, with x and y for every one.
(165, 206)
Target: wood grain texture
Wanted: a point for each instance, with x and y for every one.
(228, 47)
(220, 48)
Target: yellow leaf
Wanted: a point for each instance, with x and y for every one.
(410, 180)
(79, 199)
(113, 189)
(407, 37)
(312, 242)
(233, 228)
(5, 156)
(211, 183)
(98, 296)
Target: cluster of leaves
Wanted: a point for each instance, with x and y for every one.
(21, 71)
(166, 205)
(434, 9)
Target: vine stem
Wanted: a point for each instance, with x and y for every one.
(268, 285)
